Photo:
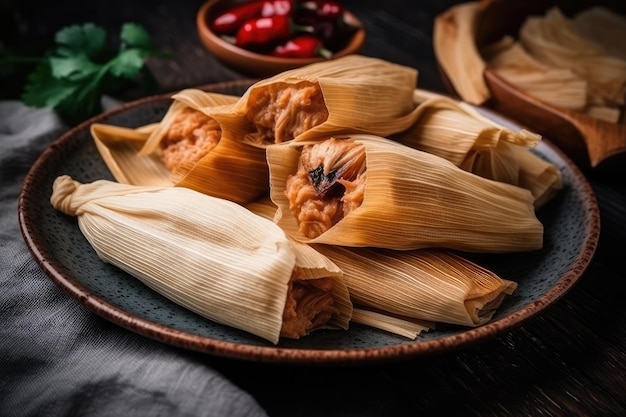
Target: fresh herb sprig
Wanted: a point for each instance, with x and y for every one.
(73, 78)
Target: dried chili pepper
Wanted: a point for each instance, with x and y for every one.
(302, 46)
(324, 9)
(265, 31)
(329, 20)
(333, 33)
(232, 19)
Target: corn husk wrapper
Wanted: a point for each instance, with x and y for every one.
(231, 170)
(414, 199)
(361, 94)
(457, 132)
(553, 40)
(209, 255)
(119, 148)
(427, 284)
(409, 328)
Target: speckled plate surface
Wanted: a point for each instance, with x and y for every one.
(571, 234)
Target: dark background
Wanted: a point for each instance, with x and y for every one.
(570, 361)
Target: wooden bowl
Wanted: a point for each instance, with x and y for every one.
(257, 64)
(591, 143)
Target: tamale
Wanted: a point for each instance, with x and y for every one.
(404, 326)
(427, 284)
(210, 255)
(214, 143)
(196, 145)
(365, 190)
(353, 93)
(459, 133)
(408, 292)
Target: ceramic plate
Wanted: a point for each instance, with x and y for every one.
(571, 234)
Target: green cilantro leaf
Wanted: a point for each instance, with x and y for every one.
(73, 78)
(127, 64)
(135, 36)
(43, 89)
(73, 68)
(87, 39)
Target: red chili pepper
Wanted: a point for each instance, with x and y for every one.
(325, 9)
(265, 31)
(277, 8)
(302, 46)
(229, 21)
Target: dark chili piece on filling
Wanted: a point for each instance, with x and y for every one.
(327, 186)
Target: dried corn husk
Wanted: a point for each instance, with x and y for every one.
(427, 284)
(209, 255)
(604, 27)
(358, 93)
(397, 325)
(553, 40)
(232, 170)
(560, 87)
(607, 113)
(558, 81)
(414, 199)
(119, 148)
(459, 133)
(453, 43)
(558, 44)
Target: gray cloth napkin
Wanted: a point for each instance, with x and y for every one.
(59, 359)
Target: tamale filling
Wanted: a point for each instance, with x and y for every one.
(329, 184)
(281, 111)
(191, 136)
(309, 306)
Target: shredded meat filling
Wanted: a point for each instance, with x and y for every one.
(329, 184)
(280, 111)
(191, 136)
(309, 306)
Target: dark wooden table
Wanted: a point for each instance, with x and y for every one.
(571, 360)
